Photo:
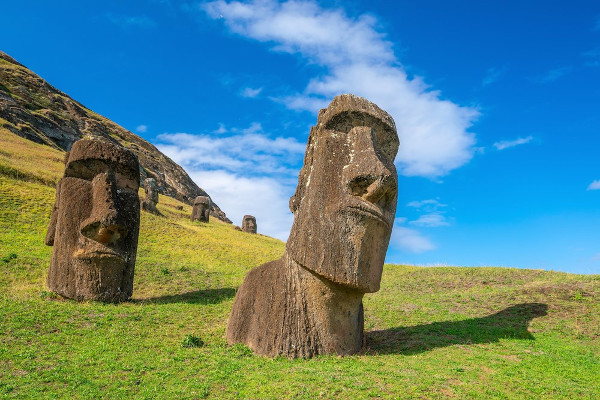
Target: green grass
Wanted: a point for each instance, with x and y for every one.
(432, 332)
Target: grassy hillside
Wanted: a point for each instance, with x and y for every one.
(432, 332)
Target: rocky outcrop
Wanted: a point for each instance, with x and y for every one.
(35, 110)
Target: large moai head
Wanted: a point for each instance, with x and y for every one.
(94, 225)
(201, 209)
(345, 202)
(151, 189)
(249, 224)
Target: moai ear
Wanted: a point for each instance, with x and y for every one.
(49, 240)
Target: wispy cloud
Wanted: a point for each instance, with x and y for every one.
(141, 129)
(553, 75)
(356, 57)
(592, 58)
(250, 92)
(595, 185)
(597, 25)
(136, 21)
(429, 205)
(433, 220)
(410, 240)
(506, 144)
(493, 75)
(244, 170)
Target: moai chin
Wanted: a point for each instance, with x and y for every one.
(249, 224)
(151, 189)
(309, 301)
(201, 209)
(95, 222)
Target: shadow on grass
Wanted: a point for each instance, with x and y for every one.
(207, 296)
(511, 322)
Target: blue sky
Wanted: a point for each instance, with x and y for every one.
(497, 107)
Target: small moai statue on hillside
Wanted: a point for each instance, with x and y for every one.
(309, 301)
(151, 200)
(201, 209)
(249, 224)
(95, 223)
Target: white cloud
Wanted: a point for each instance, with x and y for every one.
(244, 173)
(595, 185)
(250, 92)
(493, 74)
(429, 205)
(265, 198)
(141, 129)
(506, 144)
(432, 220)
(221, 129)
(357, 58)
(408, 239)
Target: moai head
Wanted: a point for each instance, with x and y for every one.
(345, 202)
(95, 222)
(201, 209)
(249, 224)
(151, 189)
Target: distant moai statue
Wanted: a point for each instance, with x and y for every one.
(201, 209)
(95, 223)
(151, 189)
(309, 301)
(249, 224)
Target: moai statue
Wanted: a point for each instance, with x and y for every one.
(149, 203)
(249, 224)
(201, 209)
(309, 301)
(95, 223)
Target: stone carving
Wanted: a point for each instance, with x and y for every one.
(201, 209)
(149, 203)
(249, 224)
(309, 301)
(95, 222)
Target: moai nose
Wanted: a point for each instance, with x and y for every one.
(368, 176)
(105, 224)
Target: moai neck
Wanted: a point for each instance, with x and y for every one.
(335, 312)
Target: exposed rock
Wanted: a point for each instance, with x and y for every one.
(309, 301)
(33, 109)
(201, 209)
(95, 223)
(249, 224)
(151, 200)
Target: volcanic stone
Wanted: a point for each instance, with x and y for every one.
(151, 189)
(249, 224)
(94, 225)
(309, 301)
(201, 209)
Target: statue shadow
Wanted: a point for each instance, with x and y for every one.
(206, 296)
(511, 322)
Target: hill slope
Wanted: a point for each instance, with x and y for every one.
(33, 109)
(431, 332)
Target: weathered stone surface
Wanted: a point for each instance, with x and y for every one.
(94, 225)
(309, 302)
(149, 203)
(201, 209)
(249, 224)
(35, 110)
